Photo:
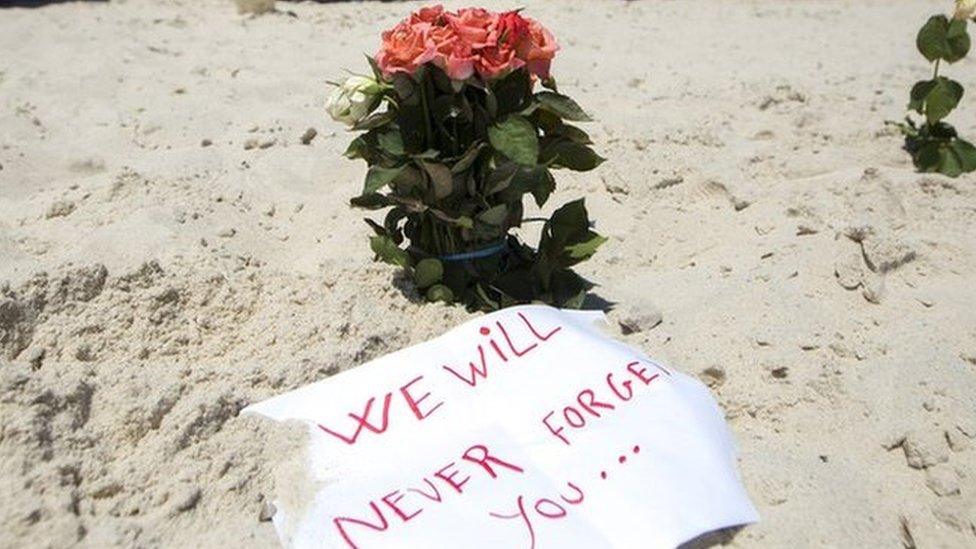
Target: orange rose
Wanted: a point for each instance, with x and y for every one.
(538, 49)
(454, 56)
(405, 48)
(512, 28)
(474, 26)
(429, 15)
(497, 61)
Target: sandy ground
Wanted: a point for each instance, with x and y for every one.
(172, 252)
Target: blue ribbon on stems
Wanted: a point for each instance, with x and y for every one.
(475, 254)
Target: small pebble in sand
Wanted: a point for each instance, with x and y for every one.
(35, 356)
(226, 232)
(309, 135)
(84, 353)
(638, 319)
(267, 511)
(250, 143)
(669, 182)
(206, 143)
(187, 499)
(713, 376)
(60, 208)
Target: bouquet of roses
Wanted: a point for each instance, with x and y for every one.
(464, 135)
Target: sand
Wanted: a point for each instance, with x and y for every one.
(172, 251)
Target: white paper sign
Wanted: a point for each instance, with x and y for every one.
(523, 428)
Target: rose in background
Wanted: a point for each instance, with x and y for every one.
(934, 144)
(464, 136)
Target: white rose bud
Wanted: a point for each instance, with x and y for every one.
(965, 9)
(354, 100)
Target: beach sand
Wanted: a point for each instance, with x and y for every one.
(172, 251)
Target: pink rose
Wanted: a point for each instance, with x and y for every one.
(538, 49)
(405, 48)
(497, 61)
(474, 26)
(454, 56)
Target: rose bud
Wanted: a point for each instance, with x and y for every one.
(354, 100)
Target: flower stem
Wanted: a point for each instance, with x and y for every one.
(423, 101)
(935, 74)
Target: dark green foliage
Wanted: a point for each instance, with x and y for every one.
(452, 163)
(934, 144)
(942, 39)
(937, 148)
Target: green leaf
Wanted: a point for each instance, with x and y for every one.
(949, 163)
(468, 158)
(377, 177)
(516, 138)
(562, 106)
(586, 248)
(377, 72)
(391, 142)
(377, 228)
(942, 98)
(387, 251)
(931, 39)
(919, 91)
(966, 153)
(536, 180)
(941, 39)
(494, 216)
(440, 292)
(569, 154)
(500, 177)
(928, 158)
(408, 179)
(440, 177)
(957, 39)
(429, 154)
(375, 120)
(568, 224)
(574, 134)
(371, 201)
(356, 148)
(428, 271)
(511, 93)
(544, 188)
